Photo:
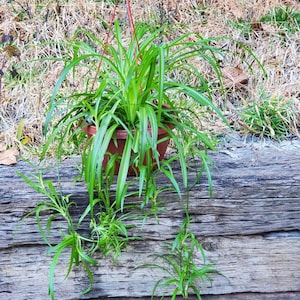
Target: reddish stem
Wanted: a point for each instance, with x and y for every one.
(131, 23)
(106, 42)
(132, 31)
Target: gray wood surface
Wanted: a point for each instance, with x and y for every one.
(250, 228)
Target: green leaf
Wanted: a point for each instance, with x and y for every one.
(58, 249)
(123, 173)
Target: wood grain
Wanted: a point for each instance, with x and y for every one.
(250, 228)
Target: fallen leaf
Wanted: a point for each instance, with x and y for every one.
(9, 156)
(234, 76)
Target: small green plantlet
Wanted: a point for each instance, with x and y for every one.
(244, 26)
(183, 274)
(110, 233)
(269, 116)
(58, 207)
(284, 18)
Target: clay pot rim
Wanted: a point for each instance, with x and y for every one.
(122, 133)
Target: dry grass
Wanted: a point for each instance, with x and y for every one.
(34, 24)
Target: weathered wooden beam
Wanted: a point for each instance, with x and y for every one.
(234, 296)
(249, 264)
(250, 228)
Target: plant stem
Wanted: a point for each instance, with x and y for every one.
(105, 43)
(131, 23)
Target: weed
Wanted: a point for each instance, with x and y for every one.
(285, 18)
(178, 262)
(270, 116)
(244, 26)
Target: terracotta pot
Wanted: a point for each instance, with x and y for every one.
(118, 147)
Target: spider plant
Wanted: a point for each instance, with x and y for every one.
(134, 90)
(183, 273)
